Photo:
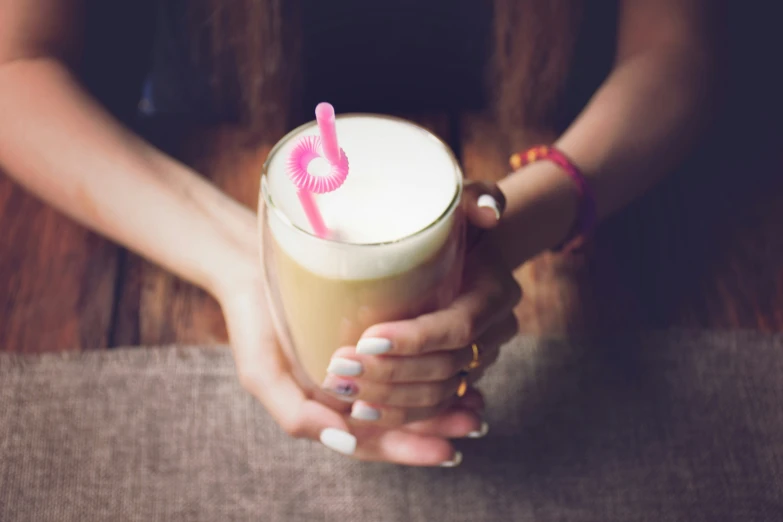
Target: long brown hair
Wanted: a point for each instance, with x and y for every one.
(253, 47)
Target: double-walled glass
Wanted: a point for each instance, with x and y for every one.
(324, 293)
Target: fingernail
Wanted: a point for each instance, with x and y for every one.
(341, 387)
(483, 430)
(338, 440)
(363, 411)
(373, 346)
(487, 201)
(344, 367)
(455, 461)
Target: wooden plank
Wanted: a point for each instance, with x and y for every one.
(56, 278)
(703, 250)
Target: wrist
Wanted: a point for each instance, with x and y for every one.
(230, 249)
(542, 205)
(235, 270)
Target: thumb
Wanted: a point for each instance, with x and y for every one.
(484, 204)
(265, 372)
(297, 414)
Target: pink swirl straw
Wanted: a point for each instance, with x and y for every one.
(306, 150)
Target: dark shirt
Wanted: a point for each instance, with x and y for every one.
(119, 39)
(361, 56)
(406, 55)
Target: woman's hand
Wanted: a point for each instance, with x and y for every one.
(404, 371)
(265, 372)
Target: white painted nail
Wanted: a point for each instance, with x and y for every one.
(338, 440)
(373, 346)
(480, 432)
(455, 461)
(365, 412)
(487, 201)
(344, 367)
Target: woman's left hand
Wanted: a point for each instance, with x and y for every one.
(405, 371)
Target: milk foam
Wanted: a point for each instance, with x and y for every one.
(401, 180)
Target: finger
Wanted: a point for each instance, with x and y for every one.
(265, 372)
(472, 400)
(484, 204)
(394, 404)
(489, 345)
(404, 395)
(451, 419)
(437, 366)
(440, 421)
(488, 357)
(454, 327)
(409, 449)
(452, 424)
(499, 333)
(269, 379)
(433, 367)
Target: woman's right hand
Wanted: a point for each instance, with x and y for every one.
(264, 371)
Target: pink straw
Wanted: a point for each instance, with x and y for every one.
(305, 151)
(324, 115)
(307, 199)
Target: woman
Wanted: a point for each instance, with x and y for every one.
(64, 146)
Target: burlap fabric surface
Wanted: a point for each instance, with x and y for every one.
(660, 427)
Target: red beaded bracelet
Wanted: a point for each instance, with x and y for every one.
(586, 217)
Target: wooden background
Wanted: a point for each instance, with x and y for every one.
(703, 250)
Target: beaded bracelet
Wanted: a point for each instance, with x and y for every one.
(586, 216)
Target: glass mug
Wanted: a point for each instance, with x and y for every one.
(403, 254)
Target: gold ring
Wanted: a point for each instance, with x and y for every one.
(463, 384)
(476, 362)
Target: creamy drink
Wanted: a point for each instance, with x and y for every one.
(395, 243)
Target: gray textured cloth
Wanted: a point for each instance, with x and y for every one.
(669, 427)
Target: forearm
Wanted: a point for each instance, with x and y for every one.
(634, 130)
(61, 145)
